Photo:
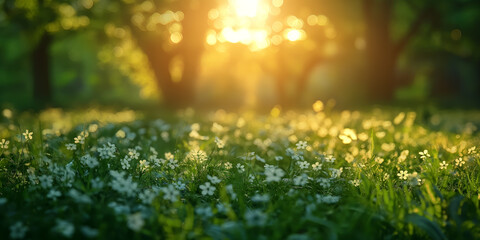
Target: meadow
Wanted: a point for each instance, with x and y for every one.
(314, 174)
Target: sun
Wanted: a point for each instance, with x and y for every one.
(247, 22)
(245, 8)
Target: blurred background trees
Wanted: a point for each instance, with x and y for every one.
(41, 22)
(230, 53)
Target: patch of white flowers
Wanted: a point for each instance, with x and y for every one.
(122, 184)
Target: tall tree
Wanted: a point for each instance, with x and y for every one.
(167, 32)
(41, 21)
(382, 51)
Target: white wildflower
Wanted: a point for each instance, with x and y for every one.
(122, 185)
(317, 166)
(65, 228)
(135, 221)
(27, 135)
(97, 183)
(214, 179)
(90, 161)
(379, 160)
(324, 182)
(303, 164)
(125, 162)
(46, 181)
(230, 191)
(327, 199)
(78, 197)
(260, 198)
(355, 182)
(18, 230)
(89, 232)
(170, 193)
(197, 155)
(424, 154)
(144, 165)
(240, 168)
(71, 146)
(79, 140)
(179, 185)
(147, 196)
(172, 163)
(335, 173)
(207, 189)
(54, 194)
(403, 175)
(219, 142)
(443, 165)
(301, 145)
(300, 180)
(4, 144)
(255, 218)
(274, 174)
(107, 151)
(133, 154)
(330, 159)
(459, 162)
(205, 212)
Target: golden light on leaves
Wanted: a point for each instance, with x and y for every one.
(330, 48)
(147, 6)
(275, 112)
(318, 106)
(126, 54)
(348, 135)
(294, 22)
(330, 33)
(66, 10)
(293, 34)
(176, 37)
(213, 14)
(175, 27)
(456, 34)
(211, 37)
(322, 20)
(277, 26)
(176, 69)
(277, 3)
(360, 43)
(277, 40)
(87, 4)
(312, 20)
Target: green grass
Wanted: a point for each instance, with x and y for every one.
(153, 182)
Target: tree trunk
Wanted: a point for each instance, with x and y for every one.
(175, 94)
(381, 76)
(178, 94)
(281, 88)
(302, 80)
(380, 51)
(281, 79)
(40, 57)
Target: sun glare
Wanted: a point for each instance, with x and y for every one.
(247, 22)
(293, 35)
(245, 8)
